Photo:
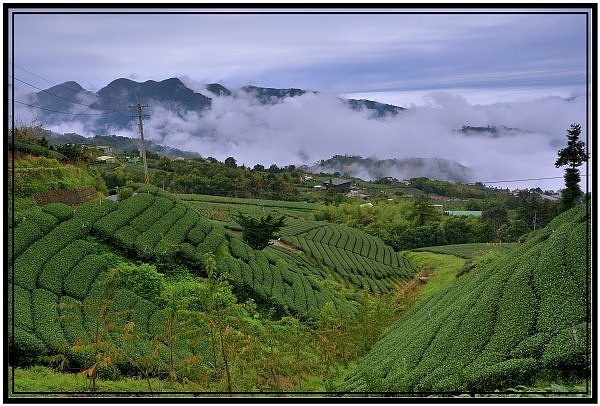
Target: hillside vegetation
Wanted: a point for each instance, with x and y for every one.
(152, 291)
(68, 301)
(501, 325)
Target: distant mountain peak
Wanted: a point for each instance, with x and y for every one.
(269, 95)
(71, 85)
(218, 89)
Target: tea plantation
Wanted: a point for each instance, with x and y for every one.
(60, 255)
(350, 256)
(497, 327)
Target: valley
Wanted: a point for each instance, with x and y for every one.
(154, 288)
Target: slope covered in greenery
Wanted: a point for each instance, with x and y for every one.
(350, 256)
(496, 327)
(61, 263)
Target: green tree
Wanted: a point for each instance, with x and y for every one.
(572, 156)
(143, 280)
(231, 162)
(258, 231)
(494, 214)
(424, 211)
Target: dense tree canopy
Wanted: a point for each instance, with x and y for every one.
(257, 232)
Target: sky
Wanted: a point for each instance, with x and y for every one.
(524, 68)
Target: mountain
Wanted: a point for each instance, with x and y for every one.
(111, 108)
(378, 109)
(267, 95)
(490, 131)
(406, 168)
(69, 96)
(170, 91)
(118, 144)
(218, 89)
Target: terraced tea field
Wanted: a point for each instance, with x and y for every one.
(500, 326)
(60, 256)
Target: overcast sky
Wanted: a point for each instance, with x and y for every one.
(400, 57)
(341, 53)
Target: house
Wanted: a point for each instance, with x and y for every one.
(438, 207)
(357, 194)
(107, 149)
(465, 213)
(106, 159)
(553, 197)
(338, 185)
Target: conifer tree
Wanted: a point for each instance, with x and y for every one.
(572, 156)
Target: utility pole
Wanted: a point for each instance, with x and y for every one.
(139, 108)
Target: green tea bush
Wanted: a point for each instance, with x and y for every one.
(212, 241)
(29, 264)
(22, 307)
(240, 249)
(90, 212)
(152, 214)
(569, 350)
(61, 211)
(59, 266)
(71, 317)
(43, 220)
(503, 374)
(127, 210)
(498, 327)
(532, 346)
(46, 318)
(24, 348)
(142, 311)
(25, 234)
(126, 236)
(176, 234)
(79, 280)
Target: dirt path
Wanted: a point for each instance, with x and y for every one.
(288, 247)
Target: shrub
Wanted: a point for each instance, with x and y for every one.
(71, 317)
(46, 318)
(125, 192)
(212, 241)
(25, 234)
(126, 212)
(143, 280)
(568, 350)
(503, 374)
(43, 220)
(80, 279)
(89, 213)
(57, 267)
(24, 348)
(22, 310)
(61, 211)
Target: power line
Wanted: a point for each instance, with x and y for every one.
(44, 79)
(60, 97)
(56, 85)
(519, 180)
(515, 180)
(63, 112)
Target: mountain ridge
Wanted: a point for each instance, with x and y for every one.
(123, 92)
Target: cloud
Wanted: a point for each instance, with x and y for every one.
(305, 129)
(336, 52)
